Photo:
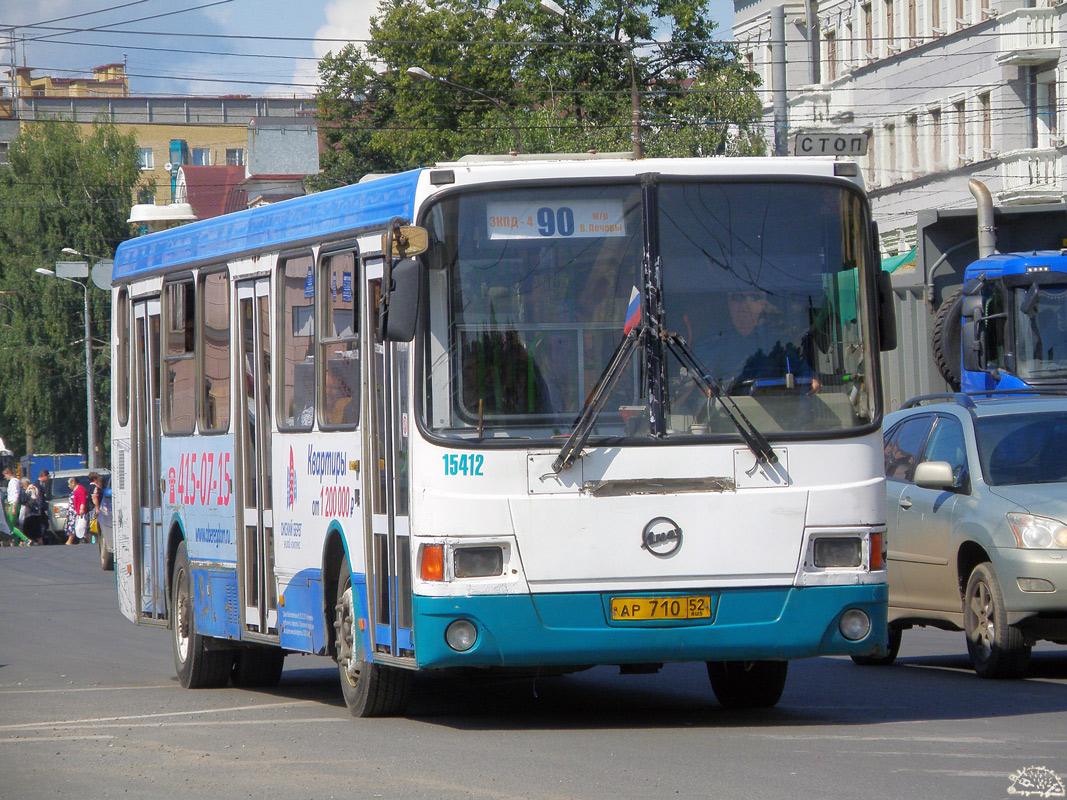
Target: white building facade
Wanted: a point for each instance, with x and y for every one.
(948, 90)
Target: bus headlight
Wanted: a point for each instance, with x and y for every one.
(478, 562)
(854, 625)
(837, 551)
(461, 635)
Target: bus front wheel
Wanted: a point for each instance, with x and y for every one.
(199, 665)
(370, 690)
(747, 684)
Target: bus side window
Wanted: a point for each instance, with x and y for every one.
(339, 341)
(215, 352)
(179, 362)
(296, 309)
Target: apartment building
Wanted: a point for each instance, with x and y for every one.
(948, 90)
(175, 131)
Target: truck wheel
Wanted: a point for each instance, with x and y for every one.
(747, 684)
(895, 632)
(370, 690)
(997, 649)
(199, 664)
(258, 666)
(945, 339)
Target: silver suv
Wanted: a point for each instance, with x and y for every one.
(977, 523)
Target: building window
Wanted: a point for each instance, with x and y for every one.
(890, 27)
(146, 158)
(961, 13)
(1043, 110)
(831, 56)
(235, 157)
(936, 157)
(987, 125)
(891, 154)
(146, 197)
(960, 110)
(913, 144)
(201, 157)
(4, 155)
(935, 17)
(868, 30)
(872, 165)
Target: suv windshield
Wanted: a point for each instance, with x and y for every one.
(532, 290)
(1022, 448)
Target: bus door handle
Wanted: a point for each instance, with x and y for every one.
(905, 502)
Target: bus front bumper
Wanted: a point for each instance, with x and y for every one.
(576, 629)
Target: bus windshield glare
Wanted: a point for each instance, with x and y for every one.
(534, 290)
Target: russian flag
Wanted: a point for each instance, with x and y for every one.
(633, 312)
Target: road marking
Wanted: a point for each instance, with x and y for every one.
(32, 739)
(78, 722)
(87, 689)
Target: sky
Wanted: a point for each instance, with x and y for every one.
(195, 47)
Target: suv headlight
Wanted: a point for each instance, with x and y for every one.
(1037, 532)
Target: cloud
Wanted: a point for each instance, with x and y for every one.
(345, 19)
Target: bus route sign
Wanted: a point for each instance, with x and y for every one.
(830, 143)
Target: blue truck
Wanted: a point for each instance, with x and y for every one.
(1005, 327)
(31, 465)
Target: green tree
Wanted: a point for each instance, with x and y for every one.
(514, 72)
(60, 189)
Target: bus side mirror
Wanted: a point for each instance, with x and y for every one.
(887, 319)
(405, 297)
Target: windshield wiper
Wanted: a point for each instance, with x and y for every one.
(594, 403)
(755, 440)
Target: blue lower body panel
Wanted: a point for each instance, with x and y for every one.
(577, 629)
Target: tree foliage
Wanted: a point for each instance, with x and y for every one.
(60, 189)
(514, 73)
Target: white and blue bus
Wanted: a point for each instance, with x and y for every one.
(604, 412)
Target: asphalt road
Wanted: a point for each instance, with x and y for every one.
(90, 708)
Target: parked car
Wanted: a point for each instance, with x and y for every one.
(977, 523)
(57, 506)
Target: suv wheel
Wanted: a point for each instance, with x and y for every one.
(997, 649)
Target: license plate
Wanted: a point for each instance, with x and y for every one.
(654, 608)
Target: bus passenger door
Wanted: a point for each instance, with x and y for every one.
(389, 551)
(149, 549)
(255, 550)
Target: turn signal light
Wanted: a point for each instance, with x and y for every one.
(877, 543)
(433, 562)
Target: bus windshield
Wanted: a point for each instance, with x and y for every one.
(533, 290)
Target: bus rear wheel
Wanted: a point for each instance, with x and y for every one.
(199, 664)
(747, 684)
(370, 690)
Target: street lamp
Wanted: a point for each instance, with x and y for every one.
(422, 75)
(90, 406)
(553, 7)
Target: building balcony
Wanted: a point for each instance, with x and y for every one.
(1027, 37)
(1033, 175)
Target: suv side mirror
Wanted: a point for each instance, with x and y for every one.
(935, 475)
